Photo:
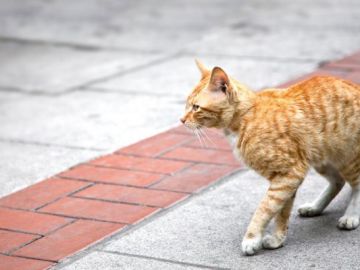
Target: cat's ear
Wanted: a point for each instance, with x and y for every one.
(203, 70)
(219, 80)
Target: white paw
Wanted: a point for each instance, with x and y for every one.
(251, 246)
(272, 242)
(308, 210)
(348, 222)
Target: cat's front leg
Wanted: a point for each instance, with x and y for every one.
(280, 192)
(277, 239)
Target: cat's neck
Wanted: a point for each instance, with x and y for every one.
(244, 101)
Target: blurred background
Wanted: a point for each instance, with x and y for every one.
(83, 78)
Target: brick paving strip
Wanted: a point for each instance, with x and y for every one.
(48, 221)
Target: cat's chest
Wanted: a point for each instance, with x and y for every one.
(233, 139)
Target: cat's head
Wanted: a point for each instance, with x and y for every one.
(212, 102)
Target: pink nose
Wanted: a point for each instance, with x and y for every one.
(182, 120)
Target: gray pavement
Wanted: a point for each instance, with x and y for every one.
(83, 78)
(207, 230)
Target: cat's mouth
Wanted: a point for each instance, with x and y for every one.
(192, 126)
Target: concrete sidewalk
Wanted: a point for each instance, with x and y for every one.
(84, 79)
(81, 80)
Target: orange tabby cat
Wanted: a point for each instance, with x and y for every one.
(280, 133)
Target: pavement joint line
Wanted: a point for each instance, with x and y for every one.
(204, 162)
(295, 26)
(136, 169)
(60, 227)
(253, 57)
(97, 89)
(80, 218)
(29, 142)
(87, 164)
(191, 139)
(73, 45)
(33, 258)
(164, 260)
(115, 202)
(124, 185)
(33, 92)
(26, 257)
(166, 176)
(181, 143)
(140, 67)
(19, 231)
(64, 196)
(11, 251)
(209, 148)
(185, 145)
(331, 68)
(177, 159)
(98, 182)
(71, 220)
(84, 85)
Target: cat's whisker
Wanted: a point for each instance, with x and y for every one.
(204, 145)
(203, 137)
(203, 131)
(198, 136)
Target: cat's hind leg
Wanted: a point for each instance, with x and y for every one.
(336, 183)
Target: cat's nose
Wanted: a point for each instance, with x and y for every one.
(182, 119)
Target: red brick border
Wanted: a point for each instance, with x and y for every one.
(57, 217)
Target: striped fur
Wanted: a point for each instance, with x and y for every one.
(280, 134)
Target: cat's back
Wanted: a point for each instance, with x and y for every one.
(328, 103)
(321, 116)
(326, 87)
(330, 125)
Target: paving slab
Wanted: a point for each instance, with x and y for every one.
(208, 230)
(24, 164)
(99, 121)
(130, 25)
(300, 15)
(118, 24)
(49, 69)
(113, 261)
(277, 43)
(178, 76)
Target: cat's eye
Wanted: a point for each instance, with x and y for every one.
(195, 107)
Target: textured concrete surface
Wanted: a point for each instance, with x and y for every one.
(48, 69)
(98, 75)
(207, 232)
(149, 26)
(97, 121)
(179, 74)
